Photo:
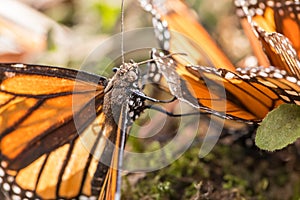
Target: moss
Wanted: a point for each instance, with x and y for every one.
(228, 172)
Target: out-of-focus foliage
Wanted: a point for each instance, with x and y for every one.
(109, 15)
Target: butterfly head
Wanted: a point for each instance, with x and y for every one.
(125, 88)
(128, 72)
(126, 75)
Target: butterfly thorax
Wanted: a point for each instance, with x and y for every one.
(122, 90)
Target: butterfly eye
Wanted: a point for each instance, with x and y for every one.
(115, 69)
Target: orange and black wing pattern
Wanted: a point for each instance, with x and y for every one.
(276, 24)
(251, 93)
(247, 95)
(224, 92)
(178, 31)
(51, 126)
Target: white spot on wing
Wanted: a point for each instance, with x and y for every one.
(16, 189)
(4, 164)
(2, 173)
(131, 114)
(10, 179)
(93, 198)
(263, 74)
(291, 79)
(19, 65)
(151, 75)
(277, 75)
(83, 197)
(6, 187)
(29, 194)
(152, 67)
(156, 78)
(15, 197)
(229, 75)
(131, 102)
(245, 77)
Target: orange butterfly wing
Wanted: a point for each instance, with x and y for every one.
(240, 98)
(247, 96)
(254, 93)
(179, 31)
(277, 25)
(42, 110)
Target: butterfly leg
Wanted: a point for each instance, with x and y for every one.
(142, 95)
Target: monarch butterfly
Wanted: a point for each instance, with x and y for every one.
(250, 93)
(39, 97)
(56, 124)
(48, 136)
(277, 25)
(247, 97)
(171, 19)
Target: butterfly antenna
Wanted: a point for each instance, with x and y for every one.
(122, 32)
(165, 56)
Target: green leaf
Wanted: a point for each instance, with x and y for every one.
(280, 128)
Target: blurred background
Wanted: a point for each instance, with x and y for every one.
(64, 32)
